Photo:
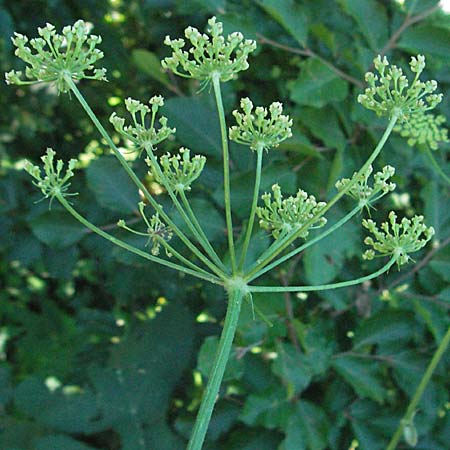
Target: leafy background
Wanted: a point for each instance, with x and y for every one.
(99, 350)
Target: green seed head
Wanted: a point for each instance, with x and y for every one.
(209, 53)
(53, 57)
(260, 127)
(400, 239)
(284, 215)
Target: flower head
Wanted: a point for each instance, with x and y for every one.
(362, 191)
(53, 57)
(180, 170)
(141, 133)
(281, 215)
(390, 93)
(157, 232)
(260, 127)
(53, 181)
(399, 239)
(209, 54)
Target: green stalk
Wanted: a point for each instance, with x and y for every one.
(259, 269)
(226, 168)
(199, 229)
(324, 287)
(132, 175)
(211, 278)
(236, 295)
(337, 197)
(251, 218)
(436, 165)
(166, 184)
(420, 390)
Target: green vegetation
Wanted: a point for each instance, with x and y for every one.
(299, 371)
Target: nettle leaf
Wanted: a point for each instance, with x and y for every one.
(370, 15)
(112, 187)
(317, 85)
(290, 15)
(57, 229)
(60, 442)
(197, 125)
(307, 429)
(362, 374)
(150, 64)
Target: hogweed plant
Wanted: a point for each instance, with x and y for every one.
(211, 58)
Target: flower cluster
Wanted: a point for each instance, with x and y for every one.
(53, 57)
(140, 133)
(209, 54)
(157, 232)
(180, 170)
(361, 190)
(53, 181)
(390, 93)
(399, 239)
(284, 215)
(259, 127)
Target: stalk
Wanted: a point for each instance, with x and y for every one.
(324, 287)
(226, 168)
(236, 295)
(136, 180)
(340, 194)
(199, 229)
(259, 269)
(251, 218)
(420, 390)
(203, 241)
(211, 278)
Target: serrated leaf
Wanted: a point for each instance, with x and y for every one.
(57, 229)
(197, 125)
(317, 85)
(426, 39)
(112, 187)
(290, 15)
(307, 428)
(370, 15)
(362, 374)
(148, 63)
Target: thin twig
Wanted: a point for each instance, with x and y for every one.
(311, 54)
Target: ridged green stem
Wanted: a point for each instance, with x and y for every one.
(251, 218)
(420, 390)
(226, 169)
(236, 295)
(131, 174)
(211, 278)
(324, 287)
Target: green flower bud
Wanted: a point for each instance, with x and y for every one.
(400, 239)
(260, 128)
(52, 181)
(209, 54)
(53, 57)
(281, 215)
(141, 133)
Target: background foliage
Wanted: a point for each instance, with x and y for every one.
(99, 350)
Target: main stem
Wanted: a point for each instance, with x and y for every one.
(226, 169)
(420, 390)
(215, 378)
(251, 218)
